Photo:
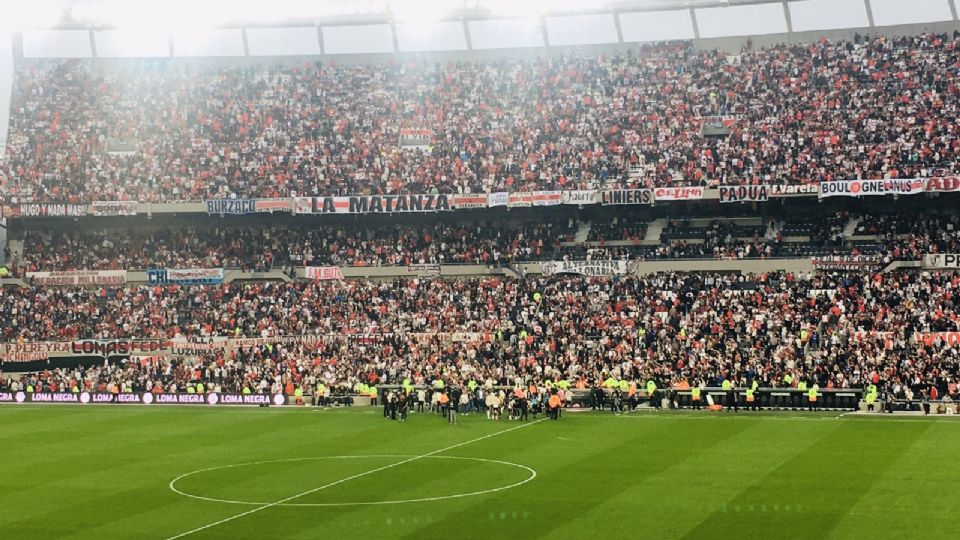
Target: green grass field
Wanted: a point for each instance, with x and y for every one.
(106, 472)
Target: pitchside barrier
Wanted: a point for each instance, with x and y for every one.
(846, 399)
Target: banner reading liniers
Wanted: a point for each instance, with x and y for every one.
(732, 194)
(678, 194)
(626, 196)
(79, 277)
(372, 204)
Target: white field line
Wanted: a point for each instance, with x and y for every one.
(347, 479)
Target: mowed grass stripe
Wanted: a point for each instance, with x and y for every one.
(823, 482)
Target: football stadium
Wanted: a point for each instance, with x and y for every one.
(434, 269)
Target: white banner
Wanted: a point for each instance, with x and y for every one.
(324, 273)
(847, 262)
(114, 208)
(500, 198)
(626, 196)
(465, 201)
(866, 188)
(678, 193)
(424, 269)
(941, 260)
(731, 194)
(587, 268)
(79, 277)
(589, 196)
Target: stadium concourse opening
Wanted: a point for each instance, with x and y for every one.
(681, 289)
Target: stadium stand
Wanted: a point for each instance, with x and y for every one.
(872, 107)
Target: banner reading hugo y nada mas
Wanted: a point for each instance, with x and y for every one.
(185, 276)
(587, 268)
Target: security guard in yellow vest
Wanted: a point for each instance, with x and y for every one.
(695, 397)
(812, 397)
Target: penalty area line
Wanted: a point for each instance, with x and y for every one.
(347, 479)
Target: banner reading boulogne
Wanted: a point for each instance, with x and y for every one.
(587, 268)
(185, 276)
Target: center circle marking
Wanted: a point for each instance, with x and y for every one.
(532, 475)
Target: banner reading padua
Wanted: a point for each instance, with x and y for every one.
(588, 268)
(732, 194)
(185, 276)
(79, 277)
(324, 273)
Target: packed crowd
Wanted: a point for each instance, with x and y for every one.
(837, 330)
(264, 248)
(897, 236)
(873, 107)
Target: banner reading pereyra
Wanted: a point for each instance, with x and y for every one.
(588, 268)
(941, 260)
(114, 208)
